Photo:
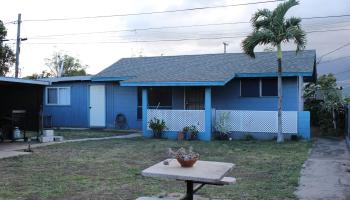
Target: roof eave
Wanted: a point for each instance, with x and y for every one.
(107, 79)
(23, 81)
(192, 83)
(274, 74)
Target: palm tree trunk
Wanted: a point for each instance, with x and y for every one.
(280, 137)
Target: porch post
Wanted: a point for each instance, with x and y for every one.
(300, 93)
(144, 112)
(208, 113)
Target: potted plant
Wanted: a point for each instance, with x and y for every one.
(185, 158)
(181, 135)
(157, 126)
(193, 131)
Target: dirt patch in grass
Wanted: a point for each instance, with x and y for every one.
(111, 170)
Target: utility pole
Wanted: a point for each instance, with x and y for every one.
(225, 45)
(18, 43)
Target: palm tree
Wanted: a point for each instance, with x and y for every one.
(271, 28)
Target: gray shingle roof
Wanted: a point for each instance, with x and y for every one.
(66, 79)
(206, 67)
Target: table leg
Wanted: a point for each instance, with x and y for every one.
(189, 191)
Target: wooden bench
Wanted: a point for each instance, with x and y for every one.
(224, 181)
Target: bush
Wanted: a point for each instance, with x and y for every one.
(192, 131)
(157, 126)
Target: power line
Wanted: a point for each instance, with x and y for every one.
(197, 33)
(150, 13)
(175, 27)
(143, 29)
(144, 41)
(174, 40)
(334, 60)
(337, 49)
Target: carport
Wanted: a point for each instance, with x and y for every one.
(21, 95)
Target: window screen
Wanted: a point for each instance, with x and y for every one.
(269, 87)
(250, 87)
(52, 96)
(58, 96)
(158, 98)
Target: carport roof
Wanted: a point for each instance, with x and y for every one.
(23, 81)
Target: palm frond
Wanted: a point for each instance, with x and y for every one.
(261, 13)
(261, 37)
(293, 21)
(261, 19)
(281, 10)
(298, 35)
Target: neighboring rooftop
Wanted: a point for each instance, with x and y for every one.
(23, 81)
(66, 79)
(206, 69)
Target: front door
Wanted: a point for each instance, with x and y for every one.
(194, 98)
(97, 106)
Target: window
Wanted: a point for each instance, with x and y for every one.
(58, 96)
(269, 87)
(250, 87)
(158, 98)
(194, 98)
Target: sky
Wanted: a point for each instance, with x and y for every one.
(99, 50)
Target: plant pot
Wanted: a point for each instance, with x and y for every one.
(193, 137)
(187, 163)
(181, 135)
(157, 134)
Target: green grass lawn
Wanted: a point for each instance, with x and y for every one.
(111, 169)
(90, 133)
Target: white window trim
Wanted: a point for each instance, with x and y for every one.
(58, 103)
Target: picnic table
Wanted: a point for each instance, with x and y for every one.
(202, 173)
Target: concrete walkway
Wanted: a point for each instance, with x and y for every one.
(326, 173)
(16, 149)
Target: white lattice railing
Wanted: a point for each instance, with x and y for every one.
(176, 120)
(260, 121)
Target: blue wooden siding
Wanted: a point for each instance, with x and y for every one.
(73, 115)
(121, 100)
(118, 100)
(228, 97)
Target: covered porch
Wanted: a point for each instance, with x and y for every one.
(203, 107)
(179, 107)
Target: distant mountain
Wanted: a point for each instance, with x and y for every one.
(340, 67)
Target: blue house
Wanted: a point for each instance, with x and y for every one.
(188, 90)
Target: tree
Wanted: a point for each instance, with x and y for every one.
(7, 57)
(44, 74)
(71, 65)
(326, 103)
(271, 28)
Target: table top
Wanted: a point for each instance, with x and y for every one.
(202, 171)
